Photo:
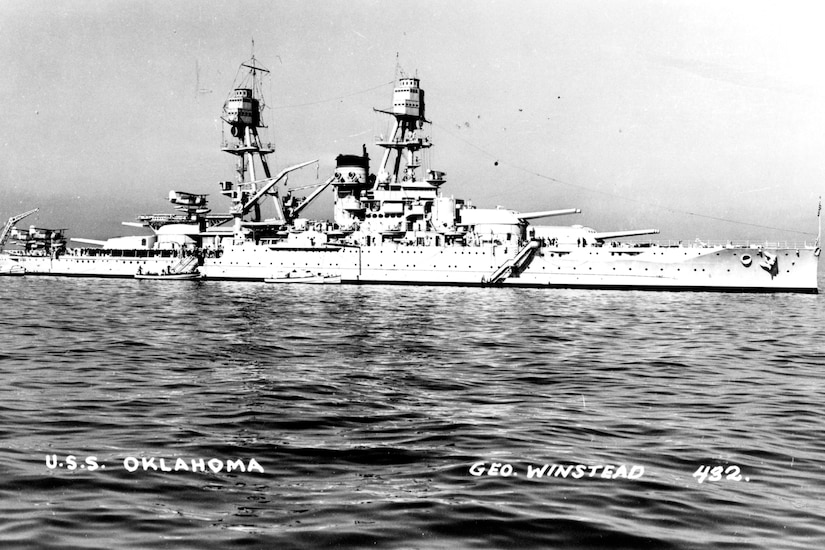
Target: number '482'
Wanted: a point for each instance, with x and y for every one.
(731, 473)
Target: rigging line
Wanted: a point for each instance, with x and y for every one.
(666, 208)
(613, 195)
(334, 98)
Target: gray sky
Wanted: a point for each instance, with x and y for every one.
(673, 115)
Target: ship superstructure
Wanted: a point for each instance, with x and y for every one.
(396, 226)
(398, 201)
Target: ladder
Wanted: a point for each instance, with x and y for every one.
(187, 264)
(515, 265)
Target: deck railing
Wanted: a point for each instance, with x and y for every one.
(698, 243)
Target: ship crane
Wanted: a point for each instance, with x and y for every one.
(294, 211)
(243, 203)
(4, 236)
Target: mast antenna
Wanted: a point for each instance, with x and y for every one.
(397, 68)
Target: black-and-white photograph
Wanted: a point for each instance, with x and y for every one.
(475, 274)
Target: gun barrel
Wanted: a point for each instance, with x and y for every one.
(88, 241)
(547, 213)
(616, 234)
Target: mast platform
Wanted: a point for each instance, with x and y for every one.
(413, 144)
(244, 149)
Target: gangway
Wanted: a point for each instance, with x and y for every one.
(514, 266)
(187, 264)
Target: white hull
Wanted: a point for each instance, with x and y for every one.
(708, 268)
(94, 266)
(626, 267)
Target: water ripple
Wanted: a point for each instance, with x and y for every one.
(366, 408)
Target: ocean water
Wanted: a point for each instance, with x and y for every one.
(340, 416)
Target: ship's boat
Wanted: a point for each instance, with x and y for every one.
(393, 224)
(11, 269)
(168, 276)
(304, 277)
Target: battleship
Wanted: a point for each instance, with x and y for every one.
(390, 225)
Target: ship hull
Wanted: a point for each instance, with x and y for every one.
(732, 269)
(94, 266)
(647, 268)
(728, 269)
